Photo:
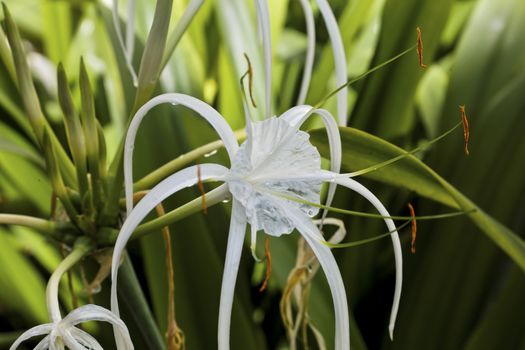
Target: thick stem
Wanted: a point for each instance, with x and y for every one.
(81, 248)
(28, 221)
(169, 168)
(213, 197)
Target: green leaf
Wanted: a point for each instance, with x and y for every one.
(74, 132)
(56, 29)
(395, 86)
(497, 328)
(362, 150)
(23, 290)
(134, 302)
(30, 97)
(151, 62)
(89, 123)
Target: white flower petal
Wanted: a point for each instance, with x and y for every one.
(295, 114)
(363, 191)
(263, 18)
(341, 74)
(43, 344)
(310, 50)
(275, 159)
(86, 339)
(231, 268)
(213, 117)
(32, 332)
(327, 261)
(339, 234)
(253, 243)
(181, 179)
(70, 342)
(56, 344)
(92, 312)
(55, 340)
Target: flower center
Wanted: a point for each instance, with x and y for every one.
(274, 162)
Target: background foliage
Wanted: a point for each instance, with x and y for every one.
(461, 291)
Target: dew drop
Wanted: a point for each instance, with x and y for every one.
(227, 199)
(207, 155)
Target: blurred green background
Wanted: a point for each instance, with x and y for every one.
(460, 291)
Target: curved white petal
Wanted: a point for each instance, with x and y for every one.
(363, 191)
(55, 340)
(213, 117)
(327, 261)
(181, 179)
(86, 339)
(70, 342)
(56, 344)
(32, 332)
(263, 18)
(231, 268)
(339, 234)
(297, 113)
(339, 58)
(310, 50)
(253, 242)
(92, 312)
(43, 344)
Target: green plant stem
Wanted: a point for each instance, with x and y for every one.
(213, 197)
(5, 55)
(108, 236)
(82, 247)
(367, 240)
(401, 156)
(372, 215)
(51, 228)
(368, 72)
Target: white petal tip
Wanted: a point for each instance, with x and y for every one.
(254, 254)
(391, 332)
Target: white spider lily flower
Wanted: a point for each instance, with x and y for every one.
(276, 160)
(62, 333)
